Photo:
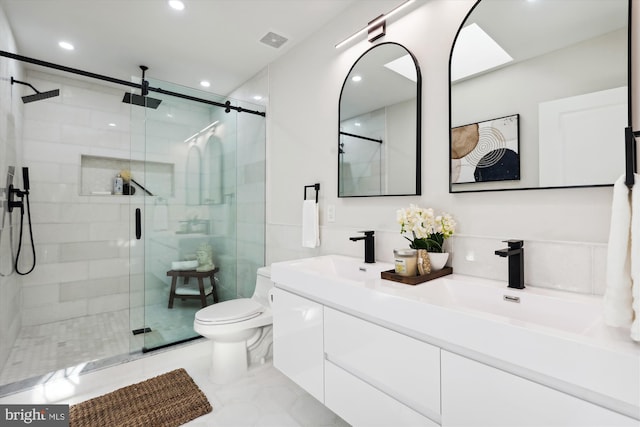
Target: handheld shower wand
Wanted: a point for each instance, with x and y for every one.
(24, 198)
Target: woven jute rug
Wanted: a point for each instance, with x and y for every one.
(167, 400)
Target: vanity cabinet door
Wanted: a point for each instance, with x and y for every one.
(474, 394)
(298, 341)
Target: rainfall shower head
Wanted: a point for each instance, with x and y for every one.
(38, 95)
(143, 101)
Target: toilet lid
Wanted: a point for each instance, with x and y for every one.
(230, 311)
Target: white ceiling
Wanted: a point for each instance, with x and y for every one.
(214, 40)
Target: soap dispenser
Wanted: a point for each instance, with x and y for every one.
(117, 185)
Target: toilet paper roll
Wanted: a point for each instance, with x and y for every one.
(184, 265)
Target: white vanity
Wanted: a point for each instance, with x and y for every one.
(450, 352)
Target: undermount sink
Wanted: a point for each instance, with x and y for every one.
(344, 267)
(544, 307)
(336, 268)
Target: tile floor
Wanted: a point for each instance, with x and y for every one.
(263, 398)
(45, 348)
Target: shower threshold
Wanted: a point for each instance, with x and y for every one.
(85, 368)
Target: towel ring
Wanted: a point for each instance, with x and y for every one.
(315, 186)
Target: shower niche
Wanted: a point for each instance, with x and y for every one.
(97, 174)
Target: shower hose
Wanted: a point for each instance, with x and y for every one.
(33, 248)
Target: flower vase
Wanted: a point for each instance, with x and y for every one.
(438, 260)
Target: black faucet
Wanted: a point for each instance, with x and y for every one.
(369, 246)
(515, 253)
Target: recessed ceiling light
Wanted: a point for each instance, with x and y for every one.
(356, 78)
(112, 125)
(257, 97)
(66, 45)
(205, 83)
(357, 123)
(176, 4)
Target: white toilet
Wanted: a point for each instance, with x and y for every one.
(234, 325)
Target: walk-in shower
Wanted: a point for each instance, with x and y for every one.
(96, 282)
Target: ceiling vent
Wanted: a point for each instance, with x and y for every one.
(273, 40)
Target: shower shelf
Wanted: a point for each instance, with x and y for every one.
(97, 174)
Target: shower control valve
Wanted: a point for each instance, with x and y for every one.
(15, 192)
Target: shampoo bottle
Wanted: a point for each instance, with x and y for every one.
(117, 185)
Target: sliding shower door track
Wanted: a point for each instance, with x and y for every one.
(227, 105)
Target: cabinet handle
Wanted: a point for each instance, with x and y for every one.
(138, 224)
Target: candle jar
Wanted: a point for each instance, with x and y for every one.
(406, 261)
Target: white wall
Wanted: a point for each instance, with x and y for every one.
(565, 229)
(10, 155)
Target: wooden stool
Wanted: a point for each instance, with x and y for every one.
(187, 274)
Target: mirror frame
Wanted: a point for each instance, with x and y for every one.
(418, 123)
(629, 109)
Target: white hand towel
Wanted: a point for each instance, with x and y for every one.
(617, 298)
(635, 257)
(310, 224)
(184, 265)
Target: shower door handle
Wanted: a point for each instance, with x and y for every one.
(138, 224)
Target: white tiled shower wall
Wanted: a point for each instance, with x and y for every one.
(10, 155)
(82, 242)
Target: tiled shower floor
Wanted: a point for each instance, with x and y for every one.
(41, 349)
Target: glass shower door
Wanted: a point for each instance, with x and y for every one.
(188, 186)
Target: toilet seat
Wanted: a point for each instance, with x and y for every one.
(232, 311)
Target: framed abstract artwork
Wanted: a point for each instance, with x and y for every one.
(486, 151)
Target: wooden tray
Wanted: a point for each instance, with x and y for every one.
(414, 280)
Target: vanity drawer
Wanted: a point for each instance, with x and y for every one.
(398, 365)
(342, 390)
(477, 394)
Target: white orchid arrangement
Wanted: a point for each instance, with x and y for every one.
(428, 230)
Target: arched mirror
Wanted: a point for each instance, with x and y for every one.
(379, 129)
(193, 178)
(539, 95)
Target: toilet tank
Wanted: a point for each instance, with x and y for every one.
(263, 285)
